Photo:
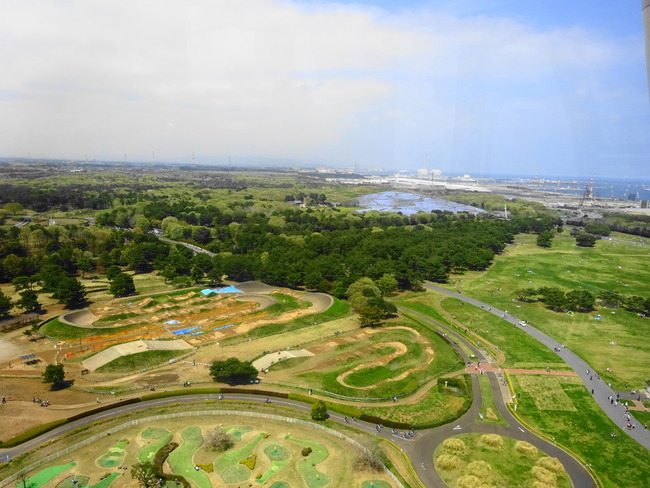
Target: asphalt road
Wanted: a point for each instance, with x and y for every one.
(419, 448)
(601, 391)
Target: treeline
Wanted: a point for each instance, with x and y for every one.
(583, 300)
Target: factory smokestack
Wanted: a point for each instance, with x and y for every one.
(646, 26)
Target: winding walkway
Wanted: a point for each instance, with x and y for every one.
(601, 392)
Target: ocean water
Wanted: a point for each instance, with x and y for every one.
(408, 203)
(620, 189)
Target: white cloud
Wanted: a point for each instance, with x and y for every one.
(277, 78)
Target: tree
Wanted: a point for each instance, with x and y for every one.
(24, 282)
(524, 294)
(545, 239)
(5, 305)
(53, 374)
(71, 293)
(121, 285)
(219, 440)
(233, 371)
(554, 298)
(145, 474)
(387, 284)
(319, 410)
(581, 300)
(29, 301)
(13, 208)
(585, 240)
(611, 299)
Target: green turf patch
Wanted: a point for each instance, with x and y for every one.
(489, 412)
(140, 360)
(284, 303)
(61, 331)
(568, 267)
(368, 376)
(307, 466)
(281, 484)
(111, 319)
(67, 483)
(547, 392)
(159, 436)
(114, 456)
(107, 481)
(507, 463)
(45, 475)
(375, 484)
(279, 457)
(180, 460)
(619, 461)
(228, 465)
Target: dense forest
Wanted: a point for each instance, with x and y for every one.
(287, 237)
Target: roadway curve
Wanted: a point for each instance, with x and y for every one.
(601, 391)
(419, 448)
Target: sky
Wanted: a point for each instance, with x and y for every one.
(481, 87)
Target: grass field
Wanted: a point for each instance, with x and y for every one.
(611, 265)
(473, 459)
(489, 410)
(139, 361)
(562, 408)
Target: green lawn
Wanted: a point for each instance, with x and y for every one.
(569, 267)
(60, 331)
(489, 410)
(307, 465)
(139, 361)
(228, 466)
(160, 438)
(510, 464)
(562, 408)
(180, 460)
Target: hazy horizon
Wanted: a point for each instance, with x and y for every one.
(497, 88)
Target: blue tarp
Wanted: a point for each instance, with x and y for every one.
(197, 333)
(228, 289)
(224, 327)
(184, 331)
(171, 322)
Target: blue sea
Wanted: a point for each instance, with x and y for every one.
(621, 189)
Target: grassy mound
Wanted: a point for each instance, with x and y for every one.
(455, 444)
(491, 441)
(448, 462)
(526, 449)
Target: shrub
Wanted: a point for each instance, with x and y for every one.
(249, 462)
(219, 441)
(258, 476)
(544, 475)
(492, 441)
(528, 450)
(468, 481)
(455, 384)
(370, 458)
(448, 462)
(480, 469)
(455, 445)
(208, 468)
(552, 464)
(306, 451)
(319, 410)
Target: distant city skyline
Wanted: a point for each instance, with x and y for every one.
(493, 87)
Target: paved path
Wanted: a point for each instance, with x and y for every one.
(600, 390)
(421, 451)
